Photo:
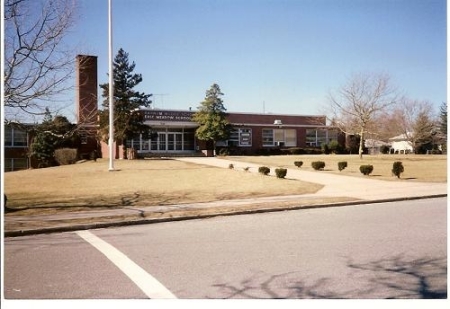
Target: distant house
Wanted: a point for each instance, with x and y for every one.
(374, 146)
(402, 144)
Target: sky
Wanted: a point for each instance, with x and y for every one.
(271, 56)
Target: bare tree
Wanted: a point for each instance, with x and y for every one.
(355, 106)
(37, 63)
(416, 121)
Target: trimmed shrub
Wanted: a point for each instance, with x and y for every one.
(281, 172)
(65, 156)
(325, 148)
(342, 165)
(318, 165)
(230, 166)
(298, 163)
(385, 149)
(366, 169)
(335, 147)
(264, 170)
(397, 168)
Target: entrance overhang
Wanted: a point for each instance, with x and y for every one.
(171, 124)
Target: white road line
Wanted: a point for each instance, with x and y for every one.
(149, 285)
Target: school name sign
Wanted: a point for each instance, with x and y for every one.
(154, 115)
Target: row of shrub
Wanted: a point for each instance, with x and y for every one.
(367, 169)
(279, 172)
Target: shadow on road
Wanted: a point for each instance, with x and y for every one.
(389, 278)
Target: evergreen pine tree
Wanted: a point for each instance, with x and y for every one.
(211, 117)
(127, 121)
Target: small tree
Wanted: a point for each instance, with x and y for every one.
(335, 147)
(51, 134)
(212, 118)
(397, 168)
(264, 170)
(357, 104)
(298, 163)
(366, 169)
(342, 165)
(280, 172)
(318, 165)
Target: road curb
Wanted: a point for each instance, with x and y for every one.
(77, 227)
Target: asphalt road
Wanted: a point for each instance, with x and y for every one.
(390, 250)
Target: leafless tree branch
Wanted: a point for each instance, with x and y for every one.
(37, 63)
(355, 106)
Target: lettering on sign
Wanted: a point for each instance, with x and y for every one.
(168, 115)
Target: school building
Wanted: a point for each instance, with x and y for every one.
(251, 133)
(174, 130)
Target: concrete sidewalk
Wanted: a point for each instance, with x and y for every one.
(339, 185)
(341, 190)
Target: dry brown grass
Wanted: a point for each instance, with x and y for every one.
(139, 183)
(424, 168)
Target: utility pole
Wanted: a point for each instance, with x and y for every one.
(111, 90)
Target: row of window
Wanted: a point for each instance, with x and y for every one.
(15, 164)
(315, 138)
(239, 137)
(15, 137)
(279, 137)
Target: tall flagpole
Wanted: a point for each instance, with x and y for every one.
(111, 90)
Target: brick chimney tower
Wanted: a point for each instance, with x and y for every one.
(87, 102)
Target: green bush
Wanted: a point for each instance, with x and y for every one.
(264, 170)
(65, 156)
(298, 163)
(342, 165)
(385, 149)
(397, 168)
(223, 152)
(366, 169)
(318, 165)
(281, 172)
(335, 147)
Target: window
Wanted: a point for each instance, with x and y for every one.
(275, 137)
(15, 137)
(15, 164)
(267, 137)
(317, 137)
(290, 137)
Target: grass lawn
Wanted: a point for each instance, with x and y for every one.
(139, 183)
(424, 168)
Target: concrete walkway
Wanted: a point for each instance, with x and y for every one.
(340, 185)
(359, 189)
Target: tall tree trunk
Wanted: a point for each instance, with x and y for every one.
(361, 144)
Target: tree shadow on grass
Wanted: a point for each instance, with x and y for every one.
(389, 278)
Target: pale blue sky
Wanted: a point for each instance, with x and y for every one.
(287, 54)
